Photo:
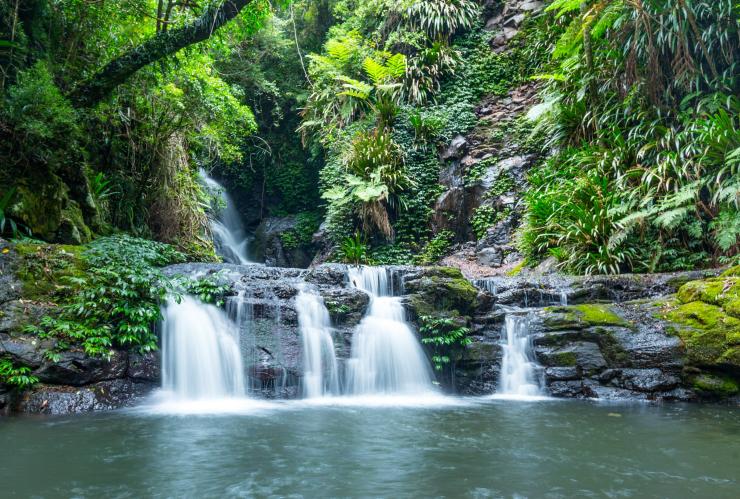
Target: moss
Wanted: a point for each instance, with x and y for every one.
(563, 359)
(732, 272)
(517, 269)
(561, 319)
(72, 227)
(442, 290)
(711, 336)
(715, 291)
(45, 269)
(580, 316)
(599, 315)
(722, 386)
(451, 272)
(611, 348)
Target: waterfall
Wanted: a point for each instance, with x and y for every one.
(229, 237)
(386, 355)
(320, 376)
(518, 370)
(486, 285)
(200, 352)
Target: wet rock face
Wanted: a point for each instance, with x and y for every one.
(60, 399)
(269, 245)
(608, 351)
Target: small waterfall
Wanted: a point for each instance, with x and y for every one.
(229, 237)
(518, 370)
(386, 355)
(321, 375)
(200, 352)
(486, 285)
(563, 297)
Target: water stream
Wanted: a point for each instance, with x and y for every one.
(519, 367)
(386, 355)
(229, 236)
(320, 374)
(200, 352)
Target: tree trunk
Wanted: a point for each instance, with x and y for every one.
(163, 44)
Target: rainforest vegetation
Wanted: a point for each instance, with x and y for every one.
(338, 113)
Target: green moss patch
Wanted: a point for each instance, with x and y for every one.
(721, 386)
(732, 272)
(442, 290)
(711, 336)
(721, 291)
(581, 316)
(46, 270)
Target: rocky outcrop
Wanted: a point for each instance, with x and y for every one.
(657, 337)
(654, 337)
(484, 173)
(275, 244)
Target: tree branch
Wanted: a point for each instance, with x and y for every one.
(163, 44)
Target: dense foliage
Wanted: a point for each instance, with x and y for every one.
(335, 112)
(115, 298)
(643, 118)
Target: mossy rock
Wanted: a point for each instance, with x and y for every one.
(611, 348)
(45, 269)
(442, 290)
(732, 272)
(715, 385)
(563, 359)
(48, 211)
(711, 336)
(721, 291)
(582, 316)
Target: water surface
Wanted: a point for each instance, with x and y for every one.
(454, 448)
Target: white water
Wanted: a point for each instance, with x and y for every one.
(321, 375)
(229, 237)
(200, 352)
(386, 356)
(518, 369)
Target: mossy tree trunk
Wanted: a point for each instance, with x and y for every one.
(163, 44)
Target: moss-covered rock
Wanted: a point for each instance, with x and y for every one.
(46, 269)
(715, 385)
(582, 316)
(732, 272)
(47, 210)
(441, 290)
(711, 336)
(718, 291)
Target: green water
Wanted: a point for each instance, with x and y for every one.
(466, 449)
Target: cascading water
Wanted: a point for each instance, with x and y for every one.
(321, 375)
(229, 237)
(518, 369)
(200, 352)
(386, 356)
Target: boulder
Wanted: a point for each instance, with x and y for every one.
(456, 149)
(75, 368)
(58, 400)
(270, 244)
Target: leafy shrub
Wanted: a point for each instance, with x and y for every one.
(484, 217)
(307, 223)
(117, 301)
(444, 335)
(436, 248)
(354, 250)
(16, 376)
